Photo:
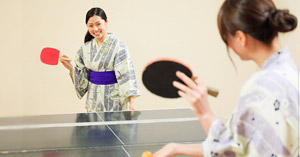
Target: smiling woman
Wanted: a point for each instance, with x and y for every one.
(104, 68)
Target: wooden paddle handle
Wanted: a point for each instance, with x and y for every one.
(212, 91)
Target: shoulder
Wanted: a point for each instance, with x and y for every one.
(118, 42)
(255, 89)
(86, 44)
(122, 48)
(267, 81)
(84, 48)
(267, 85)
(121, 44)
(276, 77)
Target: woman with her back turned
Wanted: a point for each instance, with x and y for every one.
(265, 122)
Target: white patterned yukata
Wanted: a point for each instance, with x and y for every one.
(112, 55)
(266, 120)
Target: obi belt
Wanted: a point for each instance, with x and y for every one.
(102, 77)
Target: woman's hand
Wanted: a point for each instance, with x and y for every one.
(172, 149)
(66, 61)
(131, 103)
(196, 93)
(166, 151)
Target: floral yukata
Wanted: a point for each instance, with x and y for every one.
(111, 56)
(266, 120)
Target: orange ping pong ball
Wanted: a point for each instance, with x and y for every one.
(147, 154)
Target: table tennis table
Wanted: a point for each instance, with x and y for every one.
(105, 134)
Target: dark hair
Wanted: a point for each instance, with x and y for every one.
(94, 11)
(258, 18)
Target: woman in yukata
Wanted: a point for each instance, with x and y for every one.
(103, 68)
(266, 120)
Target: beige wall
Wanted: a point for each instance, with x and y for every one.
(182, 29)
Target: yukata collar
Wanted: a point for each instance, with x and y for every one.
(275, 57)
(105, 42)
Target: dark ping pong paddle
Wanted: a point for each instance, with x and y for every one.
(51, 56)
(158, 77)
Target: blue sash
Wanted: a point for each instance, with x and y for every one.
(103, 77)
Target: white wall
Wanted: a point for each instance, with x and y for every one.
(180, 29)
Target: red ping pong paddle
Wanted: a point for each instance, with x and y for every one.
(158, 77)
(51, 56)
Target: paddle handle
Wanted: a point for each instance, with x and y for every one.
(212, 91)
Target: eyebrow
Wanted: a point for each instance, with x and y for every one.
(95, 22)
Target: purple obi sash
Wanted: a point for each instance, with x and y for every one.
(103, 77)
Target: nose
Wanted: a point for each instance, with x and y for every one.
(95, 28)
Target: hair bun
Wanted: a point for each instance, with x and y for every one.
(282, 20)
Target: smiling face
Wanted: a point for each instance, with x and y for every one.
(97, 27)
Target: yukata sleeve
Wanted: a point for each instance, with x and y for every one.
(226, 140)
(220, 141)
(80, 75)
(125, 75)
(252, 129)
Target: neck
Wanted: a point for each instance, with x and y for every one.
(263, 52)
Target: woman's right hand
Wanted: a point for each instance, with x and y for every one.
(195, 92)
(66, 61)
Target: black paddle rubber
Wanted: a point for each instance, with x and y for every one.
(159, 75)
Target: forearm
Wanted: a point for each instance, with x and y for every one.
(173, 149)
(207, 120)
(131, 103)
(189, 149)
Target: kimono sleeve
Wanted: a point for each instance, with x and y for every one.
(80, 75)
(258, 126)
(221, 141)
(125, 74)
(233, 138)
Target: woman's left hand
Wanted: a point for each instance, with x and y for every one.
(131, 103)
(167, 151)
